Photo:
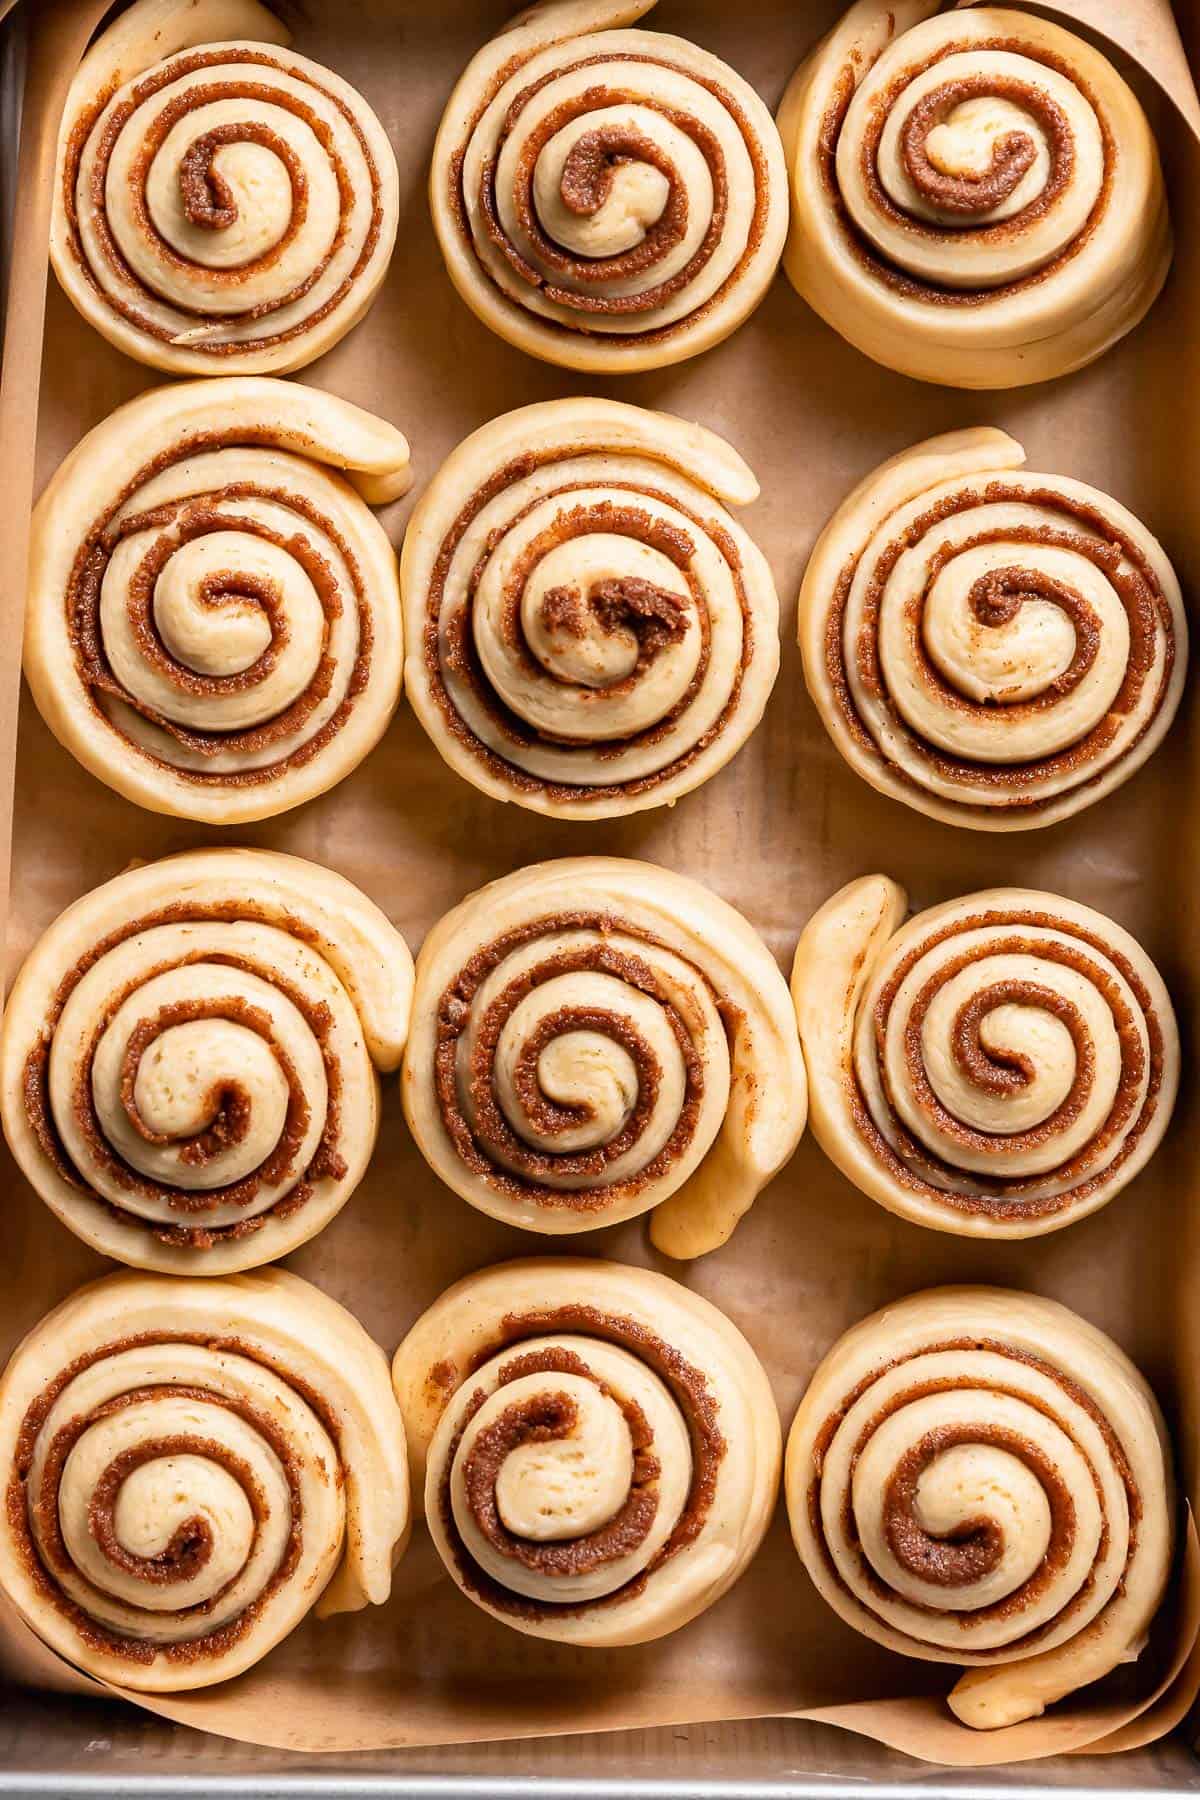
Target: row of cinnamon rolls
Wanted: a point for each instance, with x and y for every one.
(972, 199)
(975, 1476)
(216, 627)
(190, 1056)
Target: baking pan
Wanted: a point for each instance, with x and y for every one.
(1127, 427)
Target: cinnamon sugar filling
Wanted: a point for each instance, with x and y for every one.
(457, 653)
(489, 1146)
(205, 198)
(582, 188)
(1009, 1198)
(994, 599)
(690, 1389)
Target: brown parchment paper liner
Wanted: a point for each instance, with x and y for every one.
(775, 833)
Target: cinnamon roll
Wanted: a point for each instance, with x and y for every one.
(976, 195)
(213, 619)
(981, 1477)
(188, 1056)
(999, 1066)
(220, 203)
(590, 632)
(599, 1448)
(594, 1037)
(190, 1466)
(994, 647)
(607, 199)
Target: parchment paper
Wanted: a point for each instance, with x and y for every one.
(775, 833)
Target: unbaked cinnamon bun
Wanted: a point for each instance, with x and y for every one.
(980, 1477)
(995, 647)
(998, 1066)
(190, 1467)
(607, 199)
(221, 204)
(596, 1037)
(590, 630)
(598, 1447)
(213, 618)
(976, 193)
(188, 1057)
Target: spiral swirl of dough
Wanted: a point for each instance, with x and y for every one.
(190, 1465)
(219, 205)
(978, 1476)
(999, 1066)
(976, 196)
(594, 1037)
(994, 647)
(213, 621)
(187, 1064)
(599, 1447)
(590, 632)
(606, 199)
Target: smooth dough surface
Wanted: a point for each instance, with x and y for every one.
(590, 632)
(595, 1037)
(598, 1447)
(189, 1053)
(221, 205)
(980, 1476)
(191, 1466)
(213, 623)
(607, 199)
(995, 647)
(976, 195)
(998, 1066)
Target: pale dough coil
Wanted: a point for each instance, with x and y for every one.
(213, 619)
(976, 196)
(607, 199)
(189, 1467)
(978, 1476)
(590, 632)
(999, 1066)
(594, 1037)
(221, 204)
(599, 1448)
(189, 1054)
(996, 648)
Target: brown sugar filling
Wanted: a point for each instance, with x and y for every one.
(181, 522)
(1032, 99)
(995, 599)
(198, 171)
(1062, 1523)
(486, 1142)
(36, 1530)
(548, 1417)
(1008, 1199)
(328, 1162)
(591, 314)
(1012, 155)
(691, 1391)
(450, 646)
